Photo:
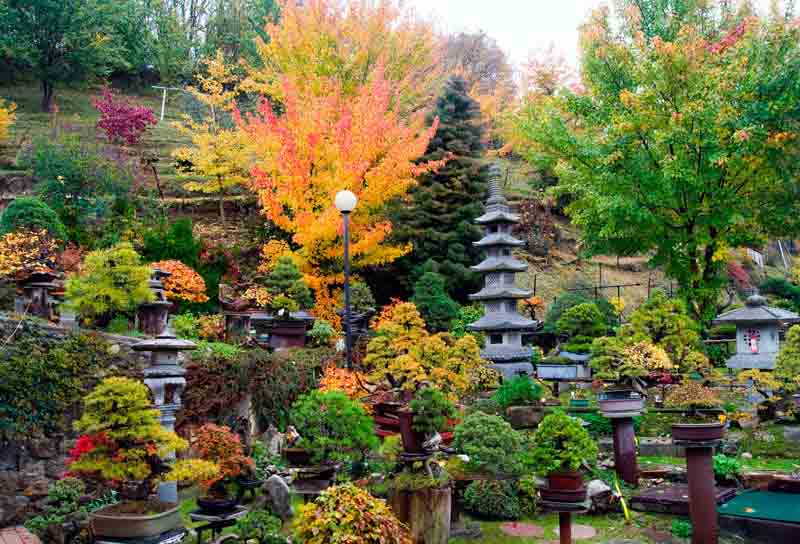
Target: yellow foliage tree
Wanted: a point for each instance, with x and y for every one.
(24, 252)
(220, 156)
(7, 117)
(323, 43)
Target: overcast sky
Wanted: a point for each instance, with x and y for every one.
(519, 26)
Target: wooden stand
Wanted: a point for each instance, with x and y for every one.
(426, 512)
(702, 494)
(565, 511)
(625, 450)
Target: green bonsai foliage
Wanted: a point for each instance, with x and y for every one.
(431, 298)
(570, 299)
(493, 499)
(490, 443)
(321, 333)
(32, 214)
(582, 324)
(333, 427)
(361, 299)
(260, 526)
(692, 395)
(726, 468)
(518, 391)
(345, 514)
(111, 281)
(618, 360)
(286, 280)
(787, 367)
(282, 305)
(431, 410)
(561, 444)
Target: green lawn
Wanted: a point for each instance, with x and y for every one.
(767, 463)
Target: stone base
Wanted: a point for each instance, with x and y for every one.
(512, 370)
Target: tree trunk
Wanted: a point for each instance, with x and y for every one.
(47, 95)
(222, 206)
(426, 512)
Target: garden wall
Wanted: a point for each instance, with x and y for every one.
(28, 466)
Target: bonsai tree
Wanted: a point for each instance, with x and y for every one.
(787, 365)
(183, 284)
(433, 302)
(333, 427)
(224, 448)
(692, 396)
(32, 214)
(432, 409)
(361, 299)
(346, 513)
(285, 279)
(617, 360)
(124, 443)
(404, 355)
(491, 444)
(518, 391)
(581, 324)
(112, 281)
(561, 444)
(283, 306)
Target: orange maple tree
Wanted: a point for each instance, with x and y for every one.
(184, 283)
(324, 144)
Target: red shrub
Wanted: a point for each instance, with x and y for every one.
(121, 119)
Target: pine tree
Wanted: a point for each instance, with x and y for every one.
(439, 219)
(285, 279)
(436, 307)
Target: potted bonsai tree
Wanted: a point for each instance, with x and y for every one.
(429, 413)
(520, 399)
(333, 428)
(579, 326)
(220, 445)
(362, 307)
(704, 421)
(289, 294)
(491, 445)
(626, 365)
(561, 447)
(123, 447)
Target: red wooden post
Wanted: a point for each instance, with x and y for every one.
(625, 450)
(565, 527)
(702, 495)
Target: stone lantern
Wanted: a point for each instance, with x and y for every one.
(36, 296)
(758, 329)
(165, 378)
(152, 317)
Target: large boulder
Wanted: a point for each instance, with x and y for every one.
(278, 496)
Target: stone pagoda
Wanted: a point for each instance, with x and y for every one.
(502, 323)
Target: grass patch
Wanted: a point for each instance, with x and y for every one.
(761, 463)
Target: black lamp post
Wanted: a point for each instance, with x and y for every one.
(346, 202)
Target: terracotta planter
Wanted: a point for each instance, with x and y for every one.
(297, 457)
(412, 440)
(106, 522)
(565, 481)
(617, 404)
(216, 507)
(698, 432)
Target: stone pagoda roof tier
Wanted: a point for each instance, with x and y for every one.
(500, 264)
(500, 353)
(500, 293)
(499, 216)
(498, 239)
(757, 311)
(503, 321)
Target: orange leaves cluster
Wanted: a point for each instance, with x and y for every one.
(184, 284)
(342, 379)
(323, 144)
(23, 253)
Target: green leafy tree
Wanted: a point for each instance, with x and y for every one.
(787, 366)
(111, 281)
(567, 300)
(61, 40)
(490, 442)
(33, 214)
(235, 27)
(439, 218)
(433, 302)
(286, 279)
(582, 324)
(681, 146)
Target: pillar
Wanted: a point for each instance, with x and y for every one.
(565, 527)
(702, 494)
(625, 450)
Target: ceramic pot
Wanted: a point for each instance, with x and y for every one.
(412, 440)
(565, 481)
(107, 523)
(216, 507)
(698, 432)
(623, 403)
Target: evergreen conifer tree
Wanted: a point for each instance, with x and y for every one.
(439, 219)
(432, 301)
(285, 279)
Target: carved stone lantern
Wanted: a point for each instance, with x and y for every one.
(758, 329)
(36, 295)
(153, 316)
(165, 378)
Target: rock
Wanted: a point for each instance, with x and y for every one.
(747, 455)
(279, 497)
(32, 471)
(12, 508)
(600, 496)
(37, 488)
(43, 448)
(274, 440)
(55, 468)
(9, 482)
(9, 457)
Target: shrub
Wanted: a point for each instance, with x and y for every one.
(517, 391)
(347, 514)
(172, 241)
(30, 213)
(566, 301)
(119, 325)
(692, 395)
(618, 360)
(466, 316)
(24, 252)
(321, 333)
(333, 427)
(286, 280)
(211, 327)
(726, 468)
(782, 288)
(122, 120)
(787, 366)
(493, 499)
(183, 284)
(350, 382)
(361, 299)
(582, 323)
(222, 447)
(63, 500)
(561, 443)
(261, 527)
(185, 326)
(112, 280)
(433, 302)
(681, 528)
(490, 442)
(431, 410)
(37, 371)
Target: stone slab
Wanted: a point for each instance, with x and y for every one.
(581, 532)
(17, 535)
(514, 528)
(672, 499)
